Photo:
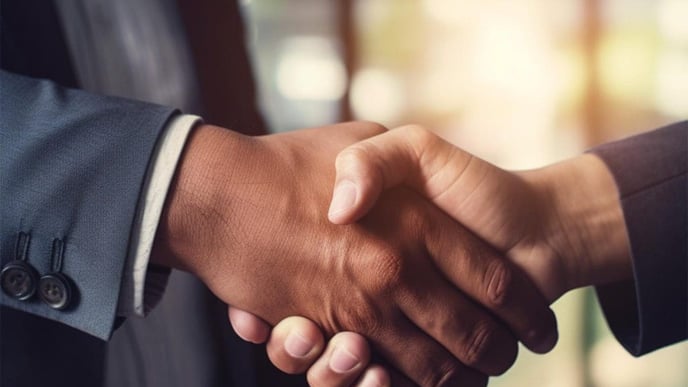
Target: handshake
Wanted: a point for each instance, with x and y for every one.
(424, 265)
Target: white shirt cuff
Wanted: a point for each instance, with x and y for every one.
(133, 296)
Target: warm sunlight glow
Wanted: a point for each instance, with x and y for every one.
(627, 65)
(376, 95)
(310, 69)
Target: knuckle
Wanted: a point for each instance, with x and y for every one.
(360, 159)
(353, 155)
(500, 283)
(478, 343)
(382, 273)
(419, 135)
(445, 374)
(377, 277)
(389, 268)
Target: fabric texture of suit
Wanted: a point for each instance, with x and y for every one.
(651, 311)
(51, 154)
(61, 145)
(40, 121)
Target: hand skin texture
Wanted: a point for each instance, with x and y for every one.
(308, 354)
(248, 217)
(561, 224)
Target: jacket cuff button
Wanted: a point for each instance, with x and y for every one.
(55, 290)
(19, 279)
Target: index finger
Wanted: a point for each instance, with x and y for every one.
(481, 272)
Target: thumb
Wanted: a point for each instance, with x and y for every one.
(474, 192)
(409, 155)
(248, 326)
(364, 170)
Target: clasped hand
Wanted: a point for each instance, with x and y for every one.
(437, 303)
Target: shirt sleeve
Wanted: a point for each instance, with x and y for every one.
(650, 311)
(143, 284)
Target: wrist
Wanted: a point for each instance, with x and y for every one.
(585, 224)
(189, 207)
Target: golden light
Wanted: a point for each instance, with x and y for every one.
(310, 69)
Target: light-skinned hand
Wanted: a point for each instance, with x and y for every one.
(562, 224)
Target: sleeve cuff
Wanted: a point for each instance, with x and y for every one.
(143, 286)
(651, 310)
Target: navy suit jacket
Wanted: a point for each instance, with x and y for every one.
(67, 175)
(72, 166)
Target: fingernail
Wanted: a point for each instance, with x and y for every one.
(343, 198)
(296, 345)
(343, 361)
(370, 380)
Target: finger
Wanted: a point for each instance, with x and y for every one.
(344, 361)
(397, 379)
(384, 374)
(479, 271)
(467, 331)
(295, 344)
(364, 170)
(422, 359)
(376, 376)
(395, 157)
(248, 326)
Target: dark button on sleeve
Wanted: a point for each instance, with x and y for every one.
(55, 290)
(19, 279)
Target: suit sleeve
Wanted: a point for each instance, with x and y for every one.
(651, 311)
(72, 168)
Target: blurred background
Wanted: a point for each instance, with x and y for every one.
(521, 83)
